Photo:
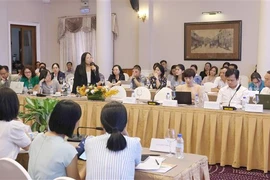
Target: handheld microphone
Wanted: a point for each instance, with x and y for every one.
(77, 137)
(229, 105)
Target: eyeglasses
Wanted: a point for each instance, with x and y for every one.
(27, 72)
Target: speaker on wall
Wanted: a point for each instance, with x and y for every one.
(135, 5)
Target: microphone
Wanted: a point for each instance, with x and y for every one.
(78, 137)
(229, 105)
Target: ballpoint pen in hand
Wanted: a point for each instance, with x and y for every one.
(157, 162)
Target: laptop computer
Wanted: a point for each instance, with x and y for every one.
(17, 87)
(183, 97)
(264, 99)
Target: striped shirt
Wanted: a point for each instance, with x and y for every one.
(105, 164)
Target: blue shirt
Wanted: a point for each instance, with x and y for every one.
(103, 163)
(197, 79)
(253, 87)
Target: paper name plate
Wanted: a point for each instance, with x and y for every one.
(172, 103)
(211, 105)
(129, 100)
(162, 145)
(254, 107)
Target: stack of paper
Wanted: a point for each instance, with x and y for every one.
(152, 163)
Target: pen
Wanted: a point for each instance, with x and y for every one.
(157, 162)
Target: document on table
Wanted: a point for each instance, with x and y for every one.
(152, 163)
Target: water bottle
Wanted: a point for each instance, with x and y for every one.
(168, 96)
(179, 151)
(244, 102)
(68, 91)
(131, 85)
(196, 100)
(51, 90)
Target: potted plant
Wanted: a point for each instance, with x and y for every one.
(96, 92)
(39, 111)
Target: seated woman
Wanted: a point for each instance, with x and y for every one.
(206, 70)
(256, 84)
(112, 155)
(171, 74)
(50, 156)
(212, 75)
(178, 79)
(191, 86)
(220, 81)
(29, 77)
(47, 83)
(158, 80)
(57, 74)
(12, 131)
(116, 77)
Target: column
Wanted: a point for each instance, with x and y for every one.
(104, 37)
(263, 62)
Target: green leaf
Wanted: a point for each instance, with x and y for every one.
(30, 101)
(35, 127)
(42, 128)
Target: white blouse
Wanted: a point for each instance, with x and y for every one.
(12, 138)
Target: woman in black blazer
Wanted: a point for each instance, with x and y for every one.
(57, 73)
(86, 73)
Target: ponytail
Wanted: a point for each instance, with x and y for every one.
(116, 142)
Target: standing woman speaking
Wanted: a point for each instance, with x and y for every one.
(86, 73)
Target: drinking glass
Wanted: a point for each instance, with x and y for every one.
(173, 95)
(255, 99)
(139, 92)
(60, 80)
(170, 138)
(113, 81)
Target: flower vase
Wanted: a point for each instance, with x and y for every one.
(95, 98)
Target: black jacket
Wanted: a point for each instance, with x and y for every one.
(80, 77)
(60, 74)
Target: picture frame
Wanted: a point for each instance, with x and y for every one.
(213, 41)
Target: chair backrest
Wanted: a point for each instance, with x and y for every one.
(161, 95)
(121, 92)
(244, 81)
(11, 169)
(142, 93)
(208, 86)
(64, 178)
(126, 76)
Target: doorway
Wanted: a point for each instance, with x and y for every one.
(23, 46)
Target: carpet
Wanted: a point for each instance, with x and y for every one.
(229, 173)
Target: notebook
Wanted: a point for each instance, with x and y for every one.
(183, 97)
(264, 99)
(17, 87)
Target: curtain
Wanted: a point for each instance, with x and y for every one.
(77, 35)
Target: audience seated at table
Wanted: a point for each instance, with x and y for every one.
(47, 83)
(137, 79)
(154, 67)
(29, 78)
(220, 81)
(171, 75)
(12, 130)
(233, 92)
(197, 78)
(50, 156)
(116, 77)
(6, 77)
(192, 87)
(178, 79)
(256, 84)
(86, 73)
(266, 89)
(212, 75)
(114, 154)
(206, 70)
(158, 80)
(69, 70)
(57, 74)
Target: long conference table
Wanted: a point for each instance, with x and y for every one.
(235, 138)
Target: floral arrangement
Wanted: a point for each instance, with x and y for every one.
(96, 92)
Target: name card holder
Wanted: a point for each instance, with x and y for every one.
(162, 145)
(172, 103)
(211, 105)
(254, 107)
(129, 100)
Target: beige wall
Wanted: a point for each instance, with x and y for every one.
(161, 37)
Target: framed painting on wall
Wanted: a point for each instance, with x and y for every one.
(219, 40)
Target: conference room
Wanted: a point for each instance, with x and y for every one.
(189, 79)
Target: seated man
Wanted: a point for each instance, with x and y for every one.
(6, 78)
(232, 94)
(137, 79)
(220, 81)
(69, 69)
(266, 89)
(197, 78)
